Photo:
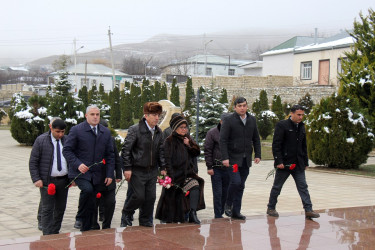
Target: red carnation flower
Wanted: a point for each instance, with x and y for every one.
(103, 161)
(98, 195)
(235, 168)
(292, 166)
(51, 190)
(187, 193)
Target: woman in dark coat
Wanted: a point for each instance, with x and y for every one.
(179, 150)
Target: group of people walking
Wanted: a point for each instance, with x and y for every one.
(88, 158)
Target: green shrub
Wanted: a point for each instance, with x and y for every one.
(338, 133)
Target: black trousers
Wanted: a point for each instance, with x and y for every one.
(108, 200)
(143, 184)
(53, 206)
(86, 202)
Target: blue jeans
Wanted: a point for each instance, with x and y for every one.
(220, 183)
(87, 202)
(237, 187)
(300, 180)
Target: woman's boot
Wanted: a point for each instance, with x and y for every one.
(193, 217)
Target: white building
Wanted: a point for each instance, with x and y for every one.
(94, 74)
(205, 65)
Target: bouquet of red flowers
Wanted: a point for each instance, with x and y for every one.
(287, 167)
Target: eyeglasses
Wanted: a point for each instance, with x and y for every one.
(182, 127)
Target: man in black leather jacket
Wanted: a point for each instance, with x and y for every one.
(289, 148)
(142, 153)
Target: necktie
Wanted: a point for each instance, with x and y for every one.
(58, 152)
(94, 129)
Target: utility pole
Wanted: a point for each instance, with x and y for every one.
(113, 65)
(197, 120)
(75, 63)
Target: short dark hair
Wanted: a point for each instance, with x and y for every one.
(297, 107)
(239, 100)
(59, 124)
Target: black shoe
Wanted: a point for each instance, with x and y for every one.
(78, 224)
(147, 224)
(101, 217)
(272, 212)
(95, 226)
(126, 220)
(228, 210)
(238, 217)
(40, 226)
(311, 214)
(193, 217)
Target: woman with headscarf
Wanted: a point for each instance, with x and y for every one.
(186, 192)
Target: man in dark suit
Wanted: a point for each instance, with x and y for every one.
(238, 137)
(88, 143)
(48, 166)
(289, 147)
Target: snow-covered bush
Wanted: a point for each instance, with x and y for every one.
(266, 121)
(338, 133)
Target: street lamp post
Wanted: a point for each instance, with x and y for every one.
(205, 54)
(75, 62)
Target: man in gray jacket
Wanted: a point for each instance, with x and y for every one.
(238, 137)
(47, 165)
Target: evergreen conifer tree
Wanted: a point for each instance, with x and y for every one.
(115, 108)
(84, 98)
(136, 93)
(277, 107)
(103, 96)
(126, 108)
(189, 91)
(210, 110)
(358, 78)
(223, 96)
(157, 91)
(62, 103)
(175, 93)
(164, 92)
(307, 103)
(147, 95)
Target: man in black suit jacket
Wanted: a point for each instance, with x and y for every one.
(88, 143)
(238, 137)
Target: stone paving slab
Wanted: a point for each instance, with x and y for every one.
(19, 198)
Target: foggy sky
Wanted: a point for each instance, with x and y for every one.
(31, 29)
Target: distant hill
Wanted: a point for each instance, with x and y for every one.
(164, 48)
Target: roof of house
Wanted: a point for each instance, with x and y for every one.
(341, 40)
(251, 65)
(291, 44)
(211, 59)
(93, 69)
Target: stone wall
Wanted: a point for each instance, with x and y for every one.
(250, 87)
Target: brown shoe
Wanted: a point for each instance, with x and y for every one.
(311, 214)
(272, 212)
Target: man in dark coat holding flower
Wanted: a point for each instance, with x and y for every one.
(238, 137)
(88, 143)
(48, 166)
(289, 149)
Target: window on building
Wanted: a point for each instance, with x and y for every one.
(208, 71)
(306, 70)
(339, 64)
(231, 72)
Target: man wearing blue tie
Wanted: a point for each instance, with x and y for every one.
(47, 165)
(89, 143)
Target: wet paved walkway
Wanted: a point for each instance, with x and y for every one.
(343, 227)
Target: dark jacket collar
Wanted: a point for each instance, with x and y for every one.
(143, 127)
